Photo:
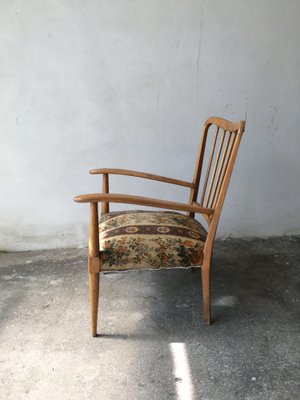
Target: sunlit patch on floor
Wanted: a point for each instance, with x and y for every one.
(181, 371)
(226, 301)
(56, 282)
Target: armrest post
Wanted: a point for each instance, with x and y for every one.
(94, 231)
(105, 189)
(94, 259)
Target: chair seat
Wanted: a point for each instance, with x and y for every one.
(149, 239)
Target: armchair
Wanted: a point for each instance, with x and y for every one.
(149, 239)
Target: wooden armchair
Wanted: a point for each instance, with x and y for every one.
(163, 239)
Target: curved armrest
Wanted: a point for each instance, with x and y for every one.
(138, 174)
(141, 201)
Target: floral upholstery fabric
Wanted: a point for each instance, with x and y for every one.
(149, 239)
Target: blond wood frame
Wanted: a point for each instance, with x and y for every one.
(210, 206)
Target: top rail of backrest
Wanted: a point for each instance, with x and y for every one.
(225, 124)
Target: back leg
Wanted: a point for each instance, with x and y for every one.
(205, 274)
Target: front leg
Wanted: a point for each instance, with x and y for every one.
(94, 266)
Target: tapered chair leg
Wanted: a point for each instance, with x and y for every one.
(205, 273)
(93, 267)
(94, 301)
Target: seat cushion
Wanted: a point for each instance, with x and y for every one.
(149, 239)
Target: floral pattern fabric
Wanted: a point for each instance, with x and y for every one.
(149, 239)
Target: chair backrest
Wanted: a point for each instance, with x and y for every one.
(216, 156)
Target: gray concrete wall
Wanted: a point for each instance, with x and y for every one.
(129, 84)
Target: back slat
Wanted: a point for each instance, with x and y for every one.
(215, 169)
(222, 175)
(223, 166)
(209, 165)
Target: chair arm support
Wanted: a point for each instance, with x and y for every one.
(141, 201)
(144, 175)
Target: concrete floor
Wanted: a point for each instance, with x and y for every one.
(152, 343)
